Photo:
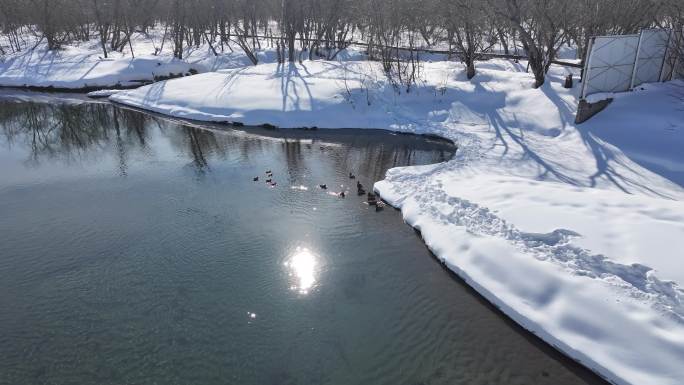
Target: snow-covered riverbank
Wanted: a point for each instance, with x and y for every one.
(76, 69)
(574, 231)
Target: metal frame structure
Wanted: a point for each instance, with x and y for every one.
(621, 62)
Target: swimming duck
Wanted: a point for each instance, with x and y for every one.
(359, 186)
(269, 172)
(379, 206)
(269, 180)
(323, 186)
(256, 179)
(352, 176)
(342, 194)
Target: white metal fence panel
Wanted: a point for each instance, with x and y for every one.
(652, 49)
(620, 63)
(610, 65)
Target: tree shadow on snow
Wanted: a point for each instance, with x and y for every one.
(290, 82)
(608, 159)
(514, 137)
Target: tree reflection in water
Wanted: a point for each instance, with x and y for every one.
(77, 133)
(69, 133)
(85, 132)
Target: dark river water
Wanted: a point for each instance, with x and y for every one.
(137, 250)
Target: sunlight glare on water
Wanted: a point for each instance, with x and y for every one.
(301, 267)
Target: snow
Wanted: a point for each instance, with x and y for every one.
(656, 142)
(307, 94)
(574, 231)
(619, 336)
(603, 221)
(80, 67)
(83, 67)
(567, 234)
(105, 93)
(599, 96)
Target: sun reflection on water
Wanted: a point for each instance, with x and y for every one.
(302, 269)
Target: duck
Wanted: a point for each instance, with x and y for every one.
(269, 180)
(352, 176)
(379, 206)
(359, 186)
(273, 184)
(269, 172)
(256, 179)
(323, 186)
(342, 194)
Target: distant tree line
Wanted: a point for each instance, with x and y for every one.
(393, 30)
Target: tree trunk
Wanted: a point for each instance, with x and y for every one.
(503, 41)
(470, 72)
(291, 47)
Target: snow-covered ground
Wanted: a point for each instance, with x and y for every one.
(575, 238)
(314, 93)
(574, 231)
(82, 65)
(75, 69)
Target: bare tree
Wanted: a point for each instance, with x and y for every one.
(395, 31)
(469, 31)
(674, 20)
(541, 26)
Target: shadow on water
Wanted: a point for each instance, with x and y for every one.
(138, 249)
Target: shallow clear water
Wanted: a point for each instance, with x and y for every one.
(136, 250)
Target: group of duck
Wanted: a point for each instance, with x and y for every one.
(370, 196)
(372, 199)
(269, 179)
